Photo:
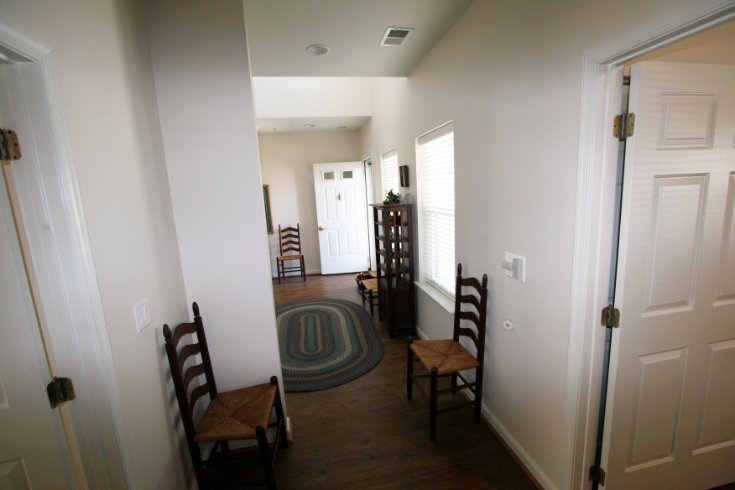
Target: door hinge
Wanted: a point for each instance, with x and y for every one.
(597, 475)
(9, 147)
(610, 317)
(624, 126)
(60, 390)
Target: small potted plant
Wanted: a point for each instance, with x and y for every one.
(392, 197)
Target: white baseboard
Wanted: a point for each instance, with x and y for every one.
(521, 455)
(420, 333)
(507, 438)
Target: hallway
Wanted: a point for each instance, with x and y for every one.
(366, 434)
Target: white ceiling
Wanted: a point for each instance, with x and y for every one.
(280, 30)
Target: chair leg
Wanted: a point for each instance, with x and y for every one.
(196, 457)
(270, 479)
(370, 299)
(283, 443)
(409, 371)
(303, 269)
(478, 394)
(454, 383)
(432, 401)
(279, 265)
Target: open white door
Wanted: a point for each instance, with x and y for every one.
(33, 451)
(670, 420)
(341, 213)
(81, 444)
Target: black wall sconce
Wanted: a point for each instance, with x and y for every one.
(403, 173)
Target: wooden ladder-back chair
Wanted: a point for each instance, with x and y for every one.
(445, 358)
(289, 240)
(239, 414)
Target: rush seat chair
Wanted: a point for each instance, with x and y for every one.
(447, 358)
(240, 414)
(289, 240)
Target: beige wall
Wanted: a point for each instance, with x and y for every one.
(508, 74)
(107, 91)
(286, 166)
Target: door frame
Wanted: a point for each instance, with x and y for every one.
(595, 204)
(78, 334)
(367, 164)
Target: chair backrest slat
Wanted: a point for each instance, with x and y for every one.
(469, 315)
(186, 352)
(472, 300)
(468, 332)
(181, 330)
(194, 397)
(192, 373)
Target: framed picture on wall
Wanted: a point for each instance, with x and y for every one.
(267, 205)
(403, 173)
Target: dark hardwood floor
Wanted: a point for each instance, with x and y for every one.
(366, 434)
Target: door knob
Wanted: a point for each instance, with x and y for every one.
(321, 228)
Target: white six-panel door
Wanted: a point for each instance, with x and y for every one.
(32, 446)
(341, 212)
(670, 420)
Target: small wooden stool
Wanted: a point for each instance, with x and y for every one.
(369, 291)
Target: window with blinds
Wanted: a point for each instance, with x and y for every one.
(389, 171)
(435, 169)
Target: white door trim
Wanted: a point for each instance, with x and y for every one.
(593, 251)
(69, 288)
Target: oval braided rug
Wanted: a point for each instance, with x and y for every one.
(325, 343)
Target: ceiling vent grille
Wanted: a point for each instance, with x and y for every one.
(394, 36)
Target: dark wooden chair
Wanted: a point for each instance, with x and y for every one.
(369, 292)
(446, 358)
(289, 239)
(241, 414)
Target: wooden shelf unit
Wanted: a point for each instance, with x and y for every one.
(394, 252)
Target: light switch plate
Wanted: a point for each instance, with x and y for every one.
(514, 266)
(141, 314)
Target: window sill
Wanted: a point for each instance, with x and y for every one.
(441, 298)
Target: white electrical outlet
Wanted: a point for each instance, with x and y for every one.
(141, 314)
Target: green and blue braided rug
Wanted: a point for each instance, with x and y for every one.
(325, 343)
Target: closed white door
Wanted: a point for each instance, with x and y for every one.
(33, 451)
(341, 212)
(670, 420)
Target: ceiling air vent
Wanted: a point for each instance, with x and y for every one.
(394, 36)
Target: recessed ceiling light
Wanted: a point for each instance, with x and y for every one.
(309, 125)
(317, 49)
(341, 127)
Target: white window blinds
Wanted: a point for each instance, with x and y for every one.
(389, 171)
(435, 154)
